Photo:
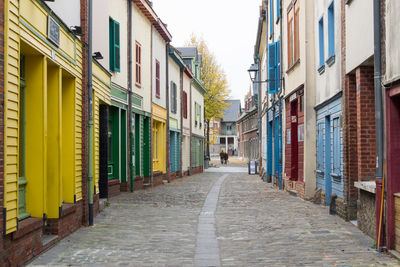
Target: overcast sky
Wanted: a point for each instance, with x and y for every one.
(228, 26)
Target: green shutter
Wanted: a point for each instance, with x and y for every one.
(114, 45)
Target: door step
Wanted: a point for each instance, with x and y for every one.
(47, 239)
(292, 192)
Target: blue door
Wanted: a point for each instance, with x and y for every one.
(269, 150)
(172, 151)
(328, 179)
(277, 158)
(320, 156)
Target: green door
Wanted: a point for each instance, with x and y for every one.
(113, 143)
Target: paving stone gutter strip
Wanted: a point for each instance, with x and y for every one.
(207, 251)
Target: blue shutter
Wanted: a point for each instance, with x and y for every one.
(271, 18)
(278, 65)
(111, 39)
(272, 68)
(331, 29)
(336, 146)
(278, 9)
(321, 42)
(320, 147)
(117, 49)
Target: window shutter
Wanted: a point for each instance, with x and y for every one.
(175, 98)
(278, 9)
(331, 29)
(278, 65)
(111, 38)
(321, 42)
(185, 105)
(272, 68)
(116, 47)
(271, 18)
(157, 79)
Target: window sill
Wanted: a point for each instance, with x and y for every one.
(321, 69)
(157, 96)
(331, 60)
(297, 62)
(138, 85)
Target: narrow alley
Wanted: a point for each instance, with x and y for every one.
(216, 218)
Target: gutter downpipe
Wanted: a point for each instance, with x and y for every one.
(168, 159)
(90, 59)
(130, 124)
(378, 112)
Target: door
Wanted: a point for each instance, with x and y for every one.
(320, 156)
(113, 143)
(328, 179)
(277, 170)
(104, 152)
(295, 147)
(172, 151)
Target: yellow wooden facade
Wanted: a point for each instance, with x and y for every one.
(101, 96)
(159, 142)
(52, 113)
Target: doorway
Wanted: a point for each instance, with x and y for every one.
(294, 174)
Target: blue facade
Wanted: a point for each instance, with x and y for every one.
(330, 148)
(274, 143)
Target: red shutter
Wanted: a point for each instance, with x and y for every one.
(157, 79)
(184, 105)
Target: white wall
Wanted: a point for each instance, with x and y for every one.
(199, 99)
(175, 76)
(359, 33)
(142, 33)
(101, 32)
(118, 11)
(159, 53)
(67, 11)
(186, 88)
(392, 40)
(328, 83)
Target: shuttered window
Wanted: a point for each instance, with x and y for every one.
(321, 42)
(271, 18)
(185, 109)
(114, 46)
(272, 68)
(294, 33)
(336, 147)
(290, 39)
(138, 64)
(173, 98)
(278, 9)
(331, 30)
(157, 79)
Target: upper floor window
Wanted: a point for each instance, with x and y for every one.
(271, 18)
(157, 79)
(138, 64)
(278, 9)
(173, 98)
(114, 46)
(331, 29)
(184, 105)
(321, 42)
(293, 33)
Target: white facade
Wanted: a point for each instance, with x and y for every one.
(392, 41)
(141, 34)
(359, 33)
(328, 83)
(159, 55)
(174, 72)
(186, 125)
(101, 32)
(198, 98)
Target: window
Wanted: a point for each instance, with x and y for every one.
(321, 42)
(195, 114)
(320, 147)
(271, 18)
(157, 79)
(173, 98)
(274, 67)
(114, 46)
(138, 64)
(336, 147)
(331, 30)
(290, 39)
(296, 30)
(185, 105)
(300, 133)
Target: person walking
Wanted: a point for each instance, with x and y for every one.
(226, 157)
(222, 156)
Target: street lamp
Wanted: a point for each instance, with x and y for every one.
(253, 72)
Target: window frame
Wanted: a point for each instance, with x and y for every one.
(138, 64)
(158, 82)
(331, 29)
(321, 41)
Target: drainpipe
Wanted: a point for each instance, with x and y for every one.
(379, 122)
(90, 52)
(130, 124)
(168, 167)
(378, 89)
(259, 113)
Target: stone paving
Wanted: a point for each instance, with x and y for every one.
(253, 225)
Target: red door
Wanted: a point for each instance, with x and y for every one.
(294, 143)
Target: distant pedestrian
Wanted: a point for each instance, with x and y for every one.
(222, 156)
(226, 157)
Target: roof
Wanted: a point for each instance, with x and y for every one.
(190, 51)
(232, 112)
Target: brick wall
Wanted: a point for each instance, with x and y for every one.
(85, 115)
(349, 109)
(366, 130)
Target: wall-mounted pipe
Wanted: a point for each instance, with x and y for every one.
(90, 107)
(130, 121)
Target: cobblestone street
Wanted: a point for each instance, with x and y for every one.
(211, 219)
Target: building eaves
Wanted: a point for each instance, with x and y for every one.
(147, 10)
(175, 55)
(162, 29)
(199, 86)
